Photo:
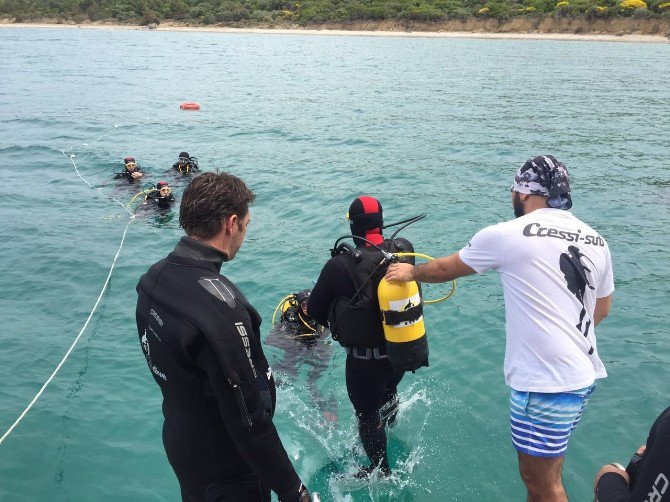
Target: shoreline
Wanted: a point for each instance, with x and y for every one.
(398, 31)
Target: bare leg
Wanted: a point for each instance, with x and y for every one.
(542, 477)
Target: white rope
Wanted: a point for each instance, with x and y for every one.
(116, 126)
(71, 158)
(90, 316)
(104, 287)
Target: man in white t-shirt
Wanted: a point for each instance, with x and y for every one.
(557, 281)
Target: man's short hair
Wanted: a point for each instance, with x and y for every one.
(211, 198)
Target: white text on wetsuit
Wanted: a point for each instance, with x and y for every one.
(157, 317)
(245, 341)
(659, 488)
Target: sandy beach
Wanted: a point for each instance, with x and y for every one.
(388, 31)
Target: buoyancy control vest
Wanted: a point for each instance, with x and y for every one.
(357, 322)
(199, 295)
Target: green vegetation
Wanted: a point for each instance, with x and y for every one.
(310, 12)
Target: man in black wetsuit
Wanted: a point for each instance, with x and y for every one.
(297, 322)
(355, 322)
(304, 343)
(201, 340)
(186, 164)
(131, 172)
(647, 477)
(162, 196)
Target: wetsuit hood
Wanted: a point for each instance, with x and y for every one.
(366, 217)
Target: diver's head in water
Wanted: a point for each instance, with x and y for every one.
(183, 159)
(366, 220)
(130, 164)
(164, 190)
(302, 297)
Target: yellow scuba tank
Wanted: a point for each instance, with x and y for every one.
(404, 330)
(289, 302)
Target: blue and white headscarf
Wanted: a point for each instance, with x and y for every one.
(544, 175)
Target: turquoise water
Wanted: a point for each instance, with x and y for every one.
(427, 125)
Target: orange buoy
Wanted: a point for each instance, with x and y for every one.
(189, 105)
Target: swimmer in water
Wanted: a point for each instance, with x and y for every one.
(186, 164)
(304, 342)
(132, 171)
(161, 196)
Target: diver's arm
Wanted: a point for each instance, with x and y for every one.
(259, 445)
(653, 470)
(611, 485)
(323, 292)
(440, 270)
(602, 309)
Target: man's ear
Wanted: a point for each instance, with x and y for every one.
(229, 223)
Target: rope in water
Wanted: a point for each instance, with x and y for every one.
(81, 332)
(90, 316)
(71, 157)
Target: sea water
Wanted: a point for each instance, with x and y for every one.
(435, 126)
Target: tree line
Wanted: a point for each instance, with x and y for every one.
(311, 12)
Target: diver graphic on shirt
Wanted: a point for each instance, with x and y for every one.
(577, 276)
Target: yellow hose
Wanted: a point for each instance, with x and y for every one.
(143, 192)
(305, 323)
(279, 305)
(430, 258)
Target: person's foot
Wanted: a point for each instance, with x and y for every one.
(366, 472)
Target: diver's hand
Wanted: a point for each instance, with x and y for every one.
(401, 272)
(136, 174)
(299, 494)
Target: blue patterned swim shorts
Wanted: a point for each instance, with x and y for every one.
(542, 422)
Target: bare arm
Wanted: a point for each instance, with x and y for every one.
(602, 309)
(439, 270)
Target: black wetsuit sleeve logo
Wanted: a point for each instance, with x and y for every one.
(577, 277)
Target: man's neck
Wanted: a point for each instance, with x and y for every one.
(218, 242)
(535, 202)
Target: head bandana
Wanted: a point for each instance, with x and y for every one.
(366, 220)
(544, 175)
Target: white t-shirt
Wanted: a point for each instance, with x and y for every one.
(552, 267)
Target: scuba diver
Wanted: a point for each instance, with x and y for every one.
(161, 196)
(298, 324)
(186, 164)
(304, 341)
(345, 298)
(132, 171)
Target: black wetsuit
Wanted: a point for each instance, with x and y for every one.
(371, 379)
(200, 337)
(650, 478)
(297, 323)
(129, 175)
(159, 200)
(303, 347)
(189, 167)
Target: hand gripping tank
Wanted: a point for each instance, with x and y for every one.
(357, 322)
(404, 330)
